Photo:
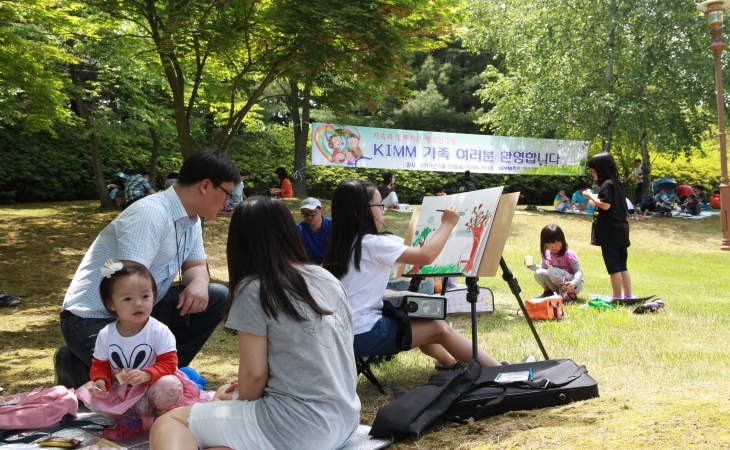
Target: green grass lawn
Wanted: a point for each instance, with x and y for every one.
(661, 376)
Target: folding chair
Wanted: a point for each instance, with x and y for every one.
(363, 364)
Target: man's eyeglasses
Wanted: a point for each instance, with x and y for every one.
(382, 206)
(309, 215)
(229, 196)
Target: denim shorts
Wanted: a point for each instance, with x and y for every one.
(615, 259)
(384, 339)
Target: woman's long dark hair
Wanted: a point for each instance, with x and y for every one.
(605, 167)
(352, 219)
(264, 245)
(282, 174)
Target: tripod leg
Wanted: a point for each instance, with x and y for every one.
(415, 285)
(515, 288)
(472, 294)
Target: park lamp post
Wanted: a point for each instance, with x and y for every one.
(714, 10)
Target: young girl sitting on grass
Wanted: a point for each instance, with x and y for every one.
(559, 267)
(134, 372)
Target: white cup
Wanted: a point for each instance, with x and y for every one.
(529, 261)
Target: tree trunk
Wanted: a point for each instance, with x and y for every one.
(153, 157)
(301, 135)
(607, 128)
(645, 161)
(104, 197)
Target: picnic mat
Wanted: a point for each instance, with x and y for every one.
(360, 440)
(702, 215)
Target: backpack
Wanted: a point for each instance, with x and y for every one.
(40, 408)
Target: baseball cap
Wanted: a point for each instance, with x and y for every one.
(310, 203)
(123, 175)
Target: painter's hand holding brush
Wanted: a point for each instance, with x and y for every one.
(433, 245)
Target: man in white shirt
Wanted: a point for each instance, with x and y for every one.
(162, 232)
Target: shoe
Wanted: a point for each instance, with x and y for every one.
(505, 363)
(654, 306)
(8, 300)
(529, 359)
(546, 294)
(458, 365)
(123, 428)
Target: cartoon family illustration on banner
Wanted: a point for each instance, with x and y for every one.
(339, 145)
(465, 245)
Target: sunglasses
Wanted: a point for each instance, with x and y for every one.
(382, 206)
(229, 196)
(310, 215)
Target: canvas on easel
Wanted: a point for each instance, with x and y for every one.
(465, 245)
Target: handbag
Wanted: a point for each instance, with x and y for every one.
(545, 308)
(394, 306)
(413, 411)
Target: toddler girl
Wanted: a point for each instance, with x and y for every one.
(134, 370)
(559, 270)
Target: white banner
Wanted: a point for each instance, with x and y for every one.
(383, 148)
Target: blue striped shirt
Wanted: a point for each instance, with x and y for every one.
(155, 232)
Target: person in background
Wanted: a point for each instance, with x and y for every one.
(387, 193)
(578, 200)
(559, 271)
(116, 189)
(701, 194)
(284, 190)
(439, 191)
(638, 175)
(715, 199)
(468, 184)
(170, 179)
(238, 195)
(692, 206)
(137, 187)
(314, 229)
(683, 192)
(562, 202)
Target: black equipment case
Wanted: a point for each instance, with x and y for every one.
(555, 382)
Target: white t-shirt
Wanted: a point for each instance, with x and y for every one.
(365, 288)
(135, 352)
(636, 172)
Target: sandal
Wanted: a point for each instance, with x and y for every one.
(123, 428)
(8, 300)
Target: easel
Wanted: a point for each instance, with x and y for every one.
(491, 259)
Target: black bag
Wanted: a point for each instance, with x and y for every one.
(413, 411)
(555, 382)
(394, 306)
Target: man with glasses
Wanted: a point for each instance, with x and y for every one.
(314, 230)
(162, 232)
